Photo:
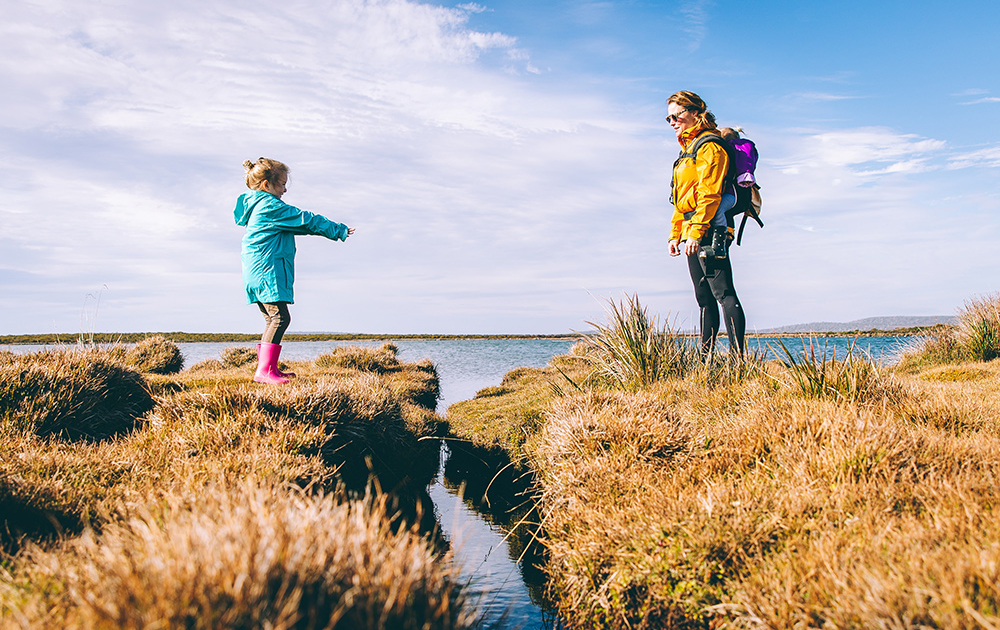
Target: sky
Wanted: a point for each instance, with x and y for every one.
(505, 163)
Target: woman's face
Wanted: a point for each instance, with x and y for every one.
(680, 119)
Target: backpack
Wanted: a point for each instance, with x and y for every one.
(742, 155)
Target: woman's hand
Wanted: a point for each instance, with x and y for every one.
(690, 247)
(350, 231)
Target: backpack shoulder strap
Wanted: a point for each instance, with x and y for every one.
(700, 141)
(704, 139)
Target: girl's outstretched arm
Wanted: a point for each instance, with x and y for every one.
(291, 219)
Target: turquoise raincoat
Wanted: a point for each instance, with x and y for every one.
(269, 243)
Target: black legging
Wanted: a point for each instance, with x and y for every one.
(713, 282)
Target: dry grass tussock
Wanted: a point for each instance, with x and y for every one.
(247, 555)
(237, 356)
(155, 355)
(327, 430)
(759, 505)
(379, 360)
(76, 394)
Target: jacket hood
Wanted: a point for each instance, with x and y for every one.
(245, 205)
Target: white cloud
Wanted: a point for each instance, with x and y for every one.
(464, 183)
(485, 201)
(825, 96)
(852, 148)
(696, 16)
(472, 7)
(988, 157)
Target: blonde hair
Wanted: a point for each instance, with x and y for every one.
(264, 170)
(731, 133)
(693, 103)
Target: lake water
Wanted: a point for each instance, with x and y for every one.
(468, 365)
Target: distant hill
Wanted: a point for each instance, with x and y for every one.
(868, 323)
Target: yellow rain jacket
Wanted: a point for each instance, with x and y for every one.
(697, 186)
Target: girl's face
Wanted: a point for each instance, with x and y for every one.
(680, 119)
(276, 189)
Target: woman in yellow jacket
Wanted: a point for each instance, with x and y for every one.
(701, 195)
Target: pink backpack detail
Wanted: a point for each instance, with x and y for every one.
(746, 161)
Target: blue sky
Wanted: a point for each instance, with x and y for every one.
(505, 164)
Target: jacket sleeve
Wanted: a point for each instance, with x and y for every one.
(711, 165)
(676, 225)
(291, 219)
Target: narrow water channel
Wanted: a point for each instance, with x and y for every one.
(511, 586)
(497, 562)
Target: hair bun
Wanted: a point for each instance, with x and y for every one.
(248, 165)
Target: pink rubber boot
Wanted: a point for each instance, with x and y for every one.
(276, 369)
(267, 365)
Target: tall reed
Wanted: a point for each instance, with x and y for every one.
(731, 368)
(855, 378)
(979, 328)
(975, 338)
(634, 351)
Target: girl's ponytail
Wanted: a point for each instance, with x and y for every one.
(264, 170)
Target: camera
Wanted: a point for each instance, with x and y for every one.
(714, 243)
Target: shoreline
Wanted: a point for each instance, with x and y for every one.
(185, 337)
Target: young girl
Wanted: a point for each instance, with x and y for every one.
(269, 254)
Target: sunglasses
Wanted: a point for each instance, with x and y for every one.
(672, 118)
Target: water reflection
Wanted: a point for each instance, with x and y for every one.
(493, 539)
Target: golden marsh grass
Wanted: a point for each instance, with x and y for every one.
(815, 492)
(225, 504)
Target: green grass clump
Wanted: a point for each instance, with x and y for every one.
(238, 356)
(854, 378)
(378, 360)
(979, 328)
(976, 337)
(633, 351)
(939, 347)
(75, 394)
(155, 355)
